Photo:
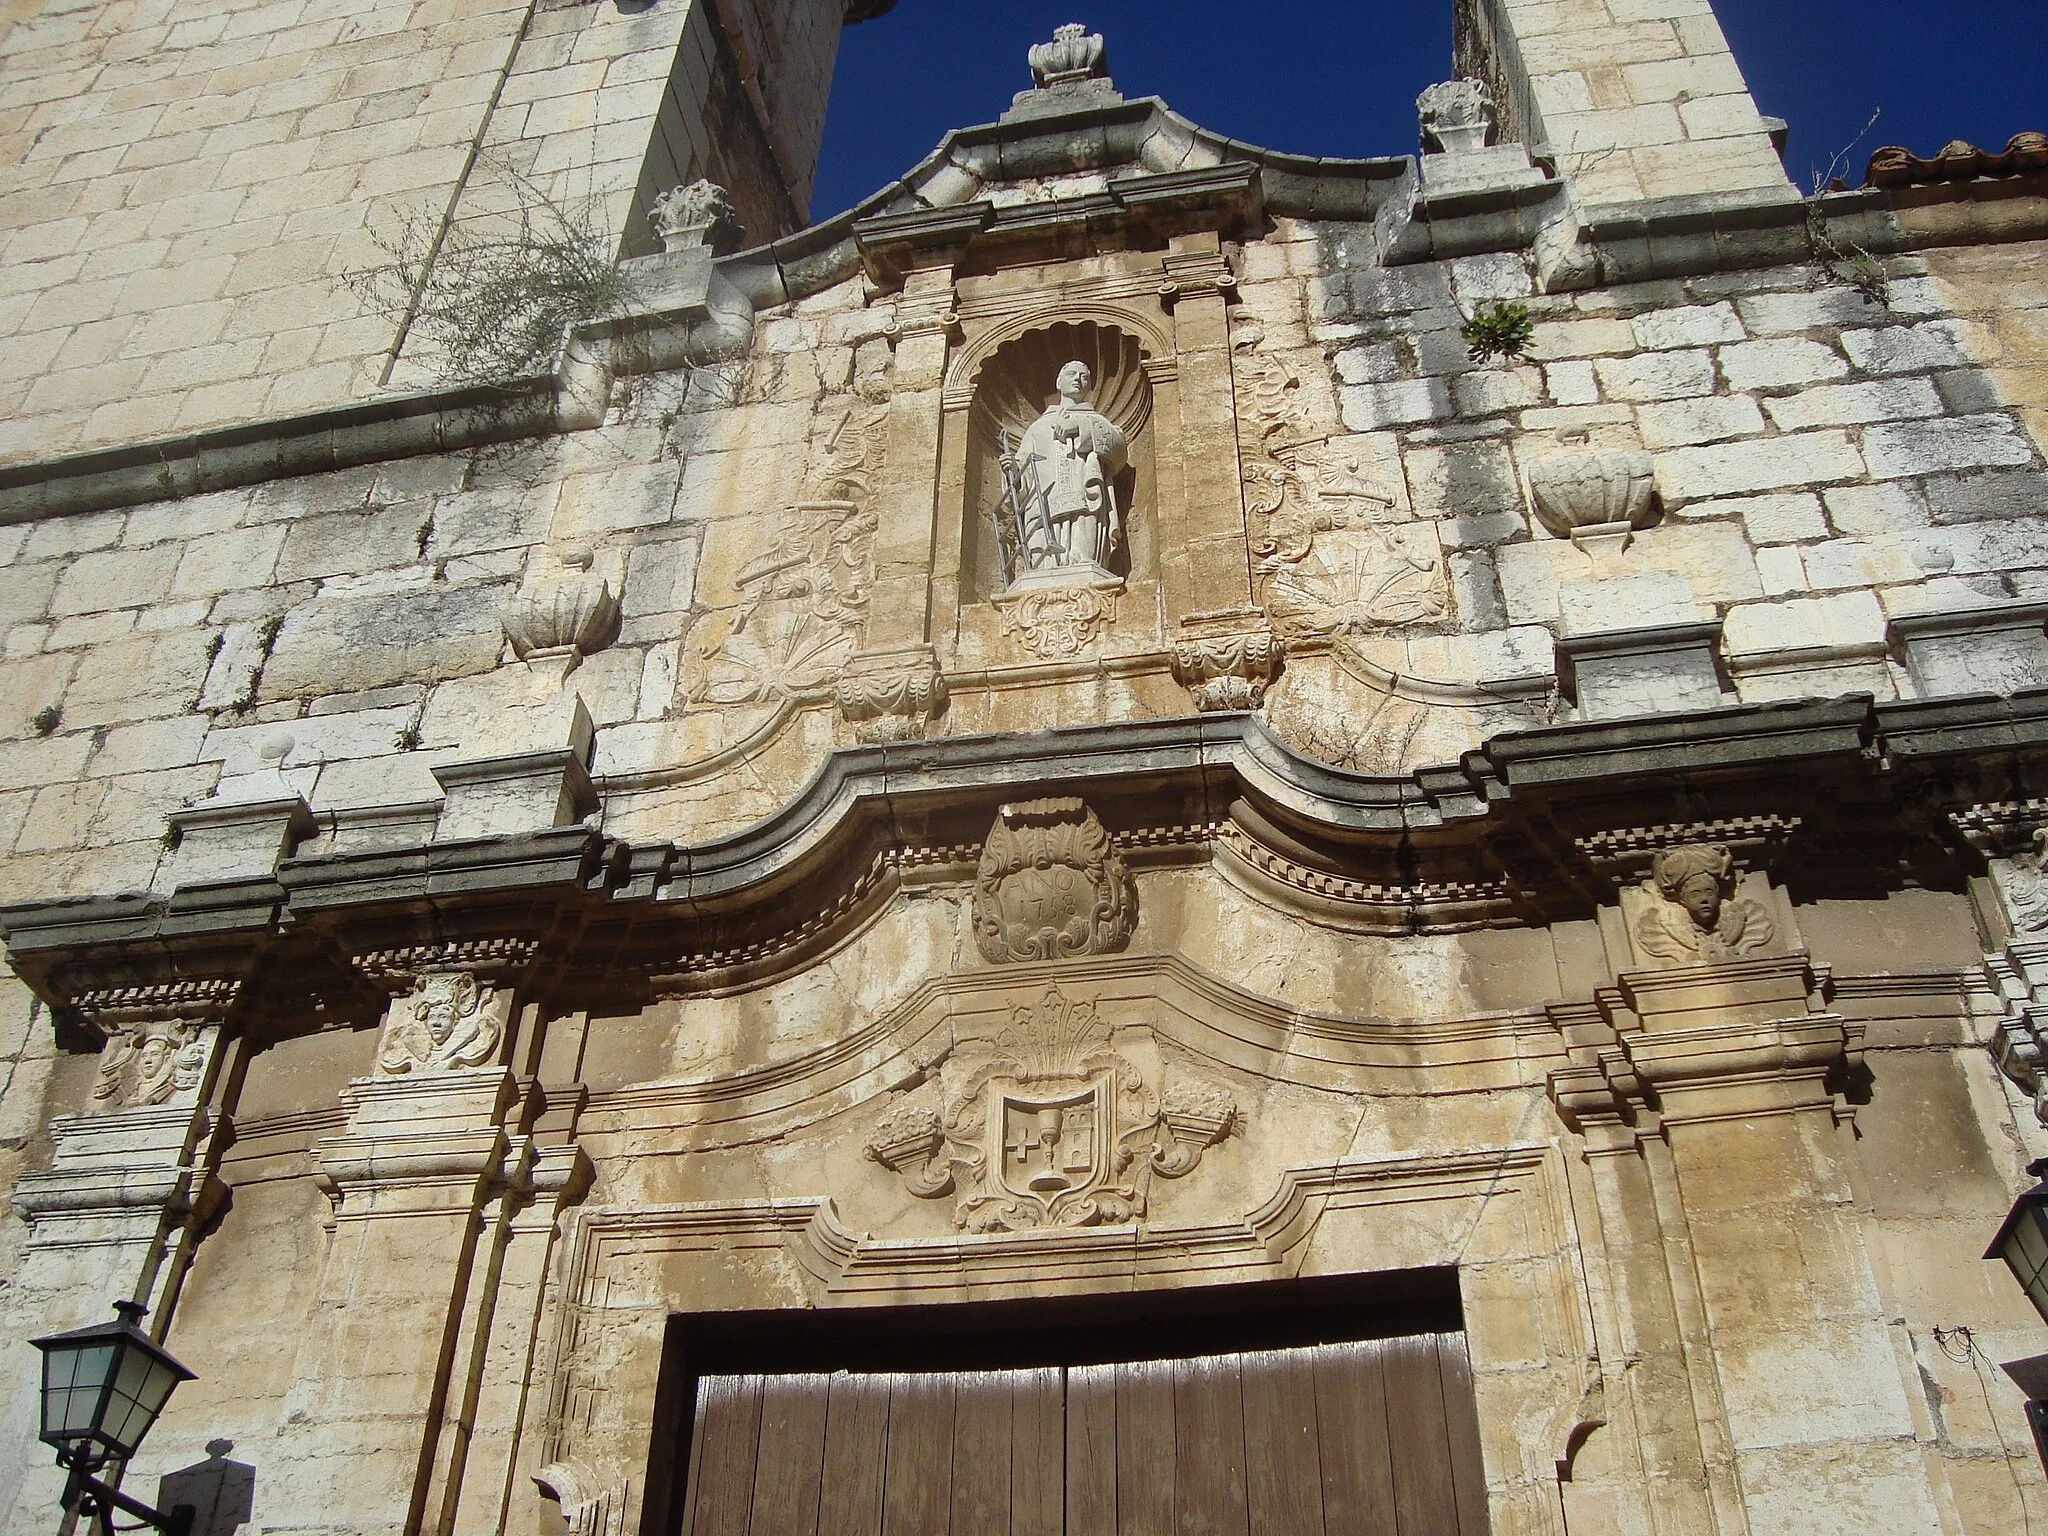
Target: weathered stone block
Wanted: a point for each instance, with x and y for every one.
(119, 578)
(1697, 325)
(1370, 407)
(1929, 447)
(1862, 509)
(1689, 474)
(1656, 375)
(1843, 405)
(1972, 496)
(1774, 364)
(1706, 419)
(1908, 348)
(382, 638)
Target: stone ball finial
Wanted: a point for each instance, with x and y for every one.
(1073, 55)
(1458, 116)
(700, 214)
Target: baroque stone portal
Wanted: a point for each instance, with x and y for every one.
(1046, 1125)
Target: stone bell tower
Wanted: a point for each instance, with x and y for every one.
(179, 228)
(1638, 99)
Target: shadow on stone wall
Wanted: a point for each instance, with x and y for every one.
(222, 1493)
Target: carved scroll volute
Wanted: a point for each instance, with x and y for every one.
(1051, 886)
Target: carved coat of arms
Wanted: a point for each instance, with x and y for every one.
(1059, 1121)
(1051, 886)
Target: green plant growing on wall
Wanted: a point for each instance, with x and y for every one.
(1499, 330)
(1835, 261)
(489, 297)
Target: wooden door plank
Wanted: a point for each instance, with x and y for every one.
(790, 1467)
(729, 1429)
(1461, 1416)
(982, 1445)
(856, 1452)
(917, 1490)
(1091, 1446)
(1038, 1459)
(1144, 1448)
(1351, 1424)
(690, 1487)
(1208, 1423)
(1283, 1476)
(1418, 1438)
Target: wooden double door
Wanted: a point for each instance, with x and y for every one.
(1374, 1438)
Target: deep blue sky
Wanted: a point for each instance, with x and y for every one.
(1339, 77)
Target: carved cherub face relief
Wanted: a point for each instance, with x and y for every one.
(1075, 381)
(1700, 895)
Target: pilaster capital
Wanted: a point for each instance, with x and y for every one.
(1226, 660)
(891, 694)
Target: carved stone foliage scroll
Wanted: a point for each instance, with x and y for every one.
(802, 602)
(1693, 916)
(448, 1021)
(799, 601)
(1050, 885)
(1225, 660)
(1058, 1121)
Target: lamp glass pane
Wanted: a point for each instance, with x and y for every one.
(72, 1382)
(2027, 1238)
(140, 1385)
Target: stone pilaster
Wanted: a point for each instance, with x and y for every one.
(410, 1178)
(1207, 564)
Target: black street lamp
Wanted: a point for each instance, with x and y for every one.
(2023, 1240)
(103, 1387)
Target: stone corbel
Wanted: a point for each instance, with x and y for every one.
(1226, 660)
(892, 694)
(450, 1003)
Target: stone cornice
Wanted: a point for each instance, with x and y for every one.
(1499, 838)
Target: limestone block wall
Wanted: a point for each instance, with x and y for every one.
(185, 184)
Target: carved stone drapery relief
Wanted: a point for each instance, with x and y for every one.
(1693, 916)
(891, 695)
(1056, 1122)
(449, 1021)
(1051, 886)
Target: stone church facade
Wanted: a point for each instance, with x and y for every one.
(1034, 858)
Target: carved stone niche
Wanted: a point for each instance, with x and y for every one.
(1060, 1120)
(1018, 552)
(1051, 886)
